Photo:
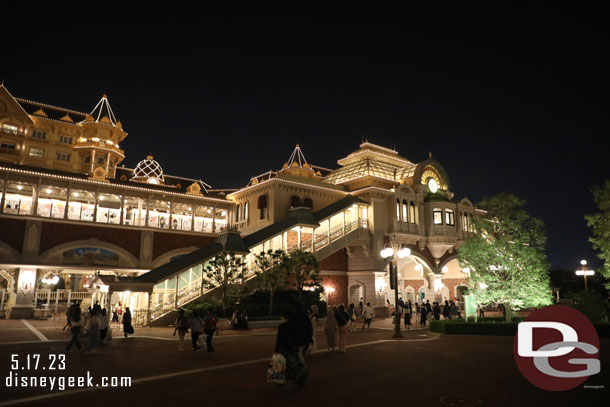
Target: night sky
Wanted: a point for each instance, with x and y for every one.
(507, 97)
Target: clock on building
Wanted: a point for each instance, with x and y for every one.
(431, 179)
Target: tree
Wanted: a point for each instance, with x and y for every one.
(271, 272)
(506, 256)
(303, 272)
(600, 226)
(226, 272)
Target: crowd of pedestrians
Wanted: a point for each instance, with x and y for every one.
(93, 324)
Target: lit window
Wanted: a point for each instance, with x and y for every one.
(398, 210)
(412, 212)
(39, 134)
(36, 152)
(63, 156)
(437, 216)
(246, 207)
(7, 128)
(449, 220)
(405, 208)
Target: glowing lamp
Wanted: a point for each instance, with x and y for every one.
(404, 252)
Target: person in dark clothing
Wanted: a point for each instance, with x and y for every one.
(209, 322)
(424, 315)
(446, 310)
(301, 333)
(127, 328)
(342, 319)
(69, 312)
(75, 330)
(436, 310)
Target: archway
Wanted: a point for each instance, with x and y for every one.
(356, 291)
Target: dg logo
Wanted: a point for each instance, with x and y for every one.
(557, 348)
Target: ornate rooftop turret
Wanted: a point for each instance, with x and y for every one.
(297, 165)
(148, 171)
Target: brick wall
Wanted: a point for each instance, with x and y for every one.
(339, 283)
(166, 241)
(452, 283)
(336, 261)
(54, 234)
(12, 232)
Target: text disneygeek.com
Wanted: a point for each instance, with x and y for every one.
(52, 362)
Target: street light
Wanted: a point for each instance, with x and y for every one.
(391, 255)
(584, 271)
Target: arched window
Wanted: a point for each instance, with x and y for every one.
(449, 219)
(405, 209)
(398, 210)
(308, 202)
(262, 207)
(246, 207)
(237, 213)
(295, 202)
(412, 212)
(464, 222)
(437, 216)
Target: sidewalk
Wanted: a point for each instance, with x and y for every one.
(33, 330)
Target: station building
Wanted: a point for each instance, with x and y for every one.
(72, 216)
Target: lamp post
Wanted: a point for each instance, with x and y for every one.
(584, 271)
(391, 254)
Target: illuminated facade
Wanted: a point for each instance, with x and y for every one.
(142, 237)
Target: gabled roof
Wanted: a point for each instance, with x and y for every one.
(11, 99)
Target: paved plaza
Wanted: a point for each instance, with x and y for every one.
(420, 370)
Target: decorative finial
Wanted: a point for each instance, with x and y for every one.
(105, 96)
(297, 144)
(430, 154)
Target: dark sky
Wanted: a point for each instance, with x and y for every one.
(507, 97)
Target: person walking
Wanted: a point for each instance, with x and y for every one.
(104, 324)
(210, 328)
(446, 310)
(417, 313)
(408, 315)
(367, 315)
(314, 343)
(436, 310)
(127, 328)
(182, 326)
(196, 330)
(351, 313)
(93, 331)
(342, 319)
(75, 329)
(330, 330)
(300, 338)
(69, 312)
(424, 315)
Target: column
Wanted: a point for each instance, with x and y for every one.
(313, 239)
(97, 197)
(171, 212)
(68, 192)
(4, 187)
(176, 296)
(92, 160)
(107, 163)
(343, 223)
(148, 308)
(213, 219)
(193, 218)
(26, 294)
(35, 197)
(147, 211)
(299, 237)
(122, 215)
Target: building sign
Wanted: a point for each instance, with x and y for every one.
(90, 256)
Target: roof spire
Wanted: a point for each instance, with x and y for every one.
(102, 112)
(297, 159)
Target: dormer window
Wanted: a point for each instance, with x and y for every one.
(295, 202)
(262, 207)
